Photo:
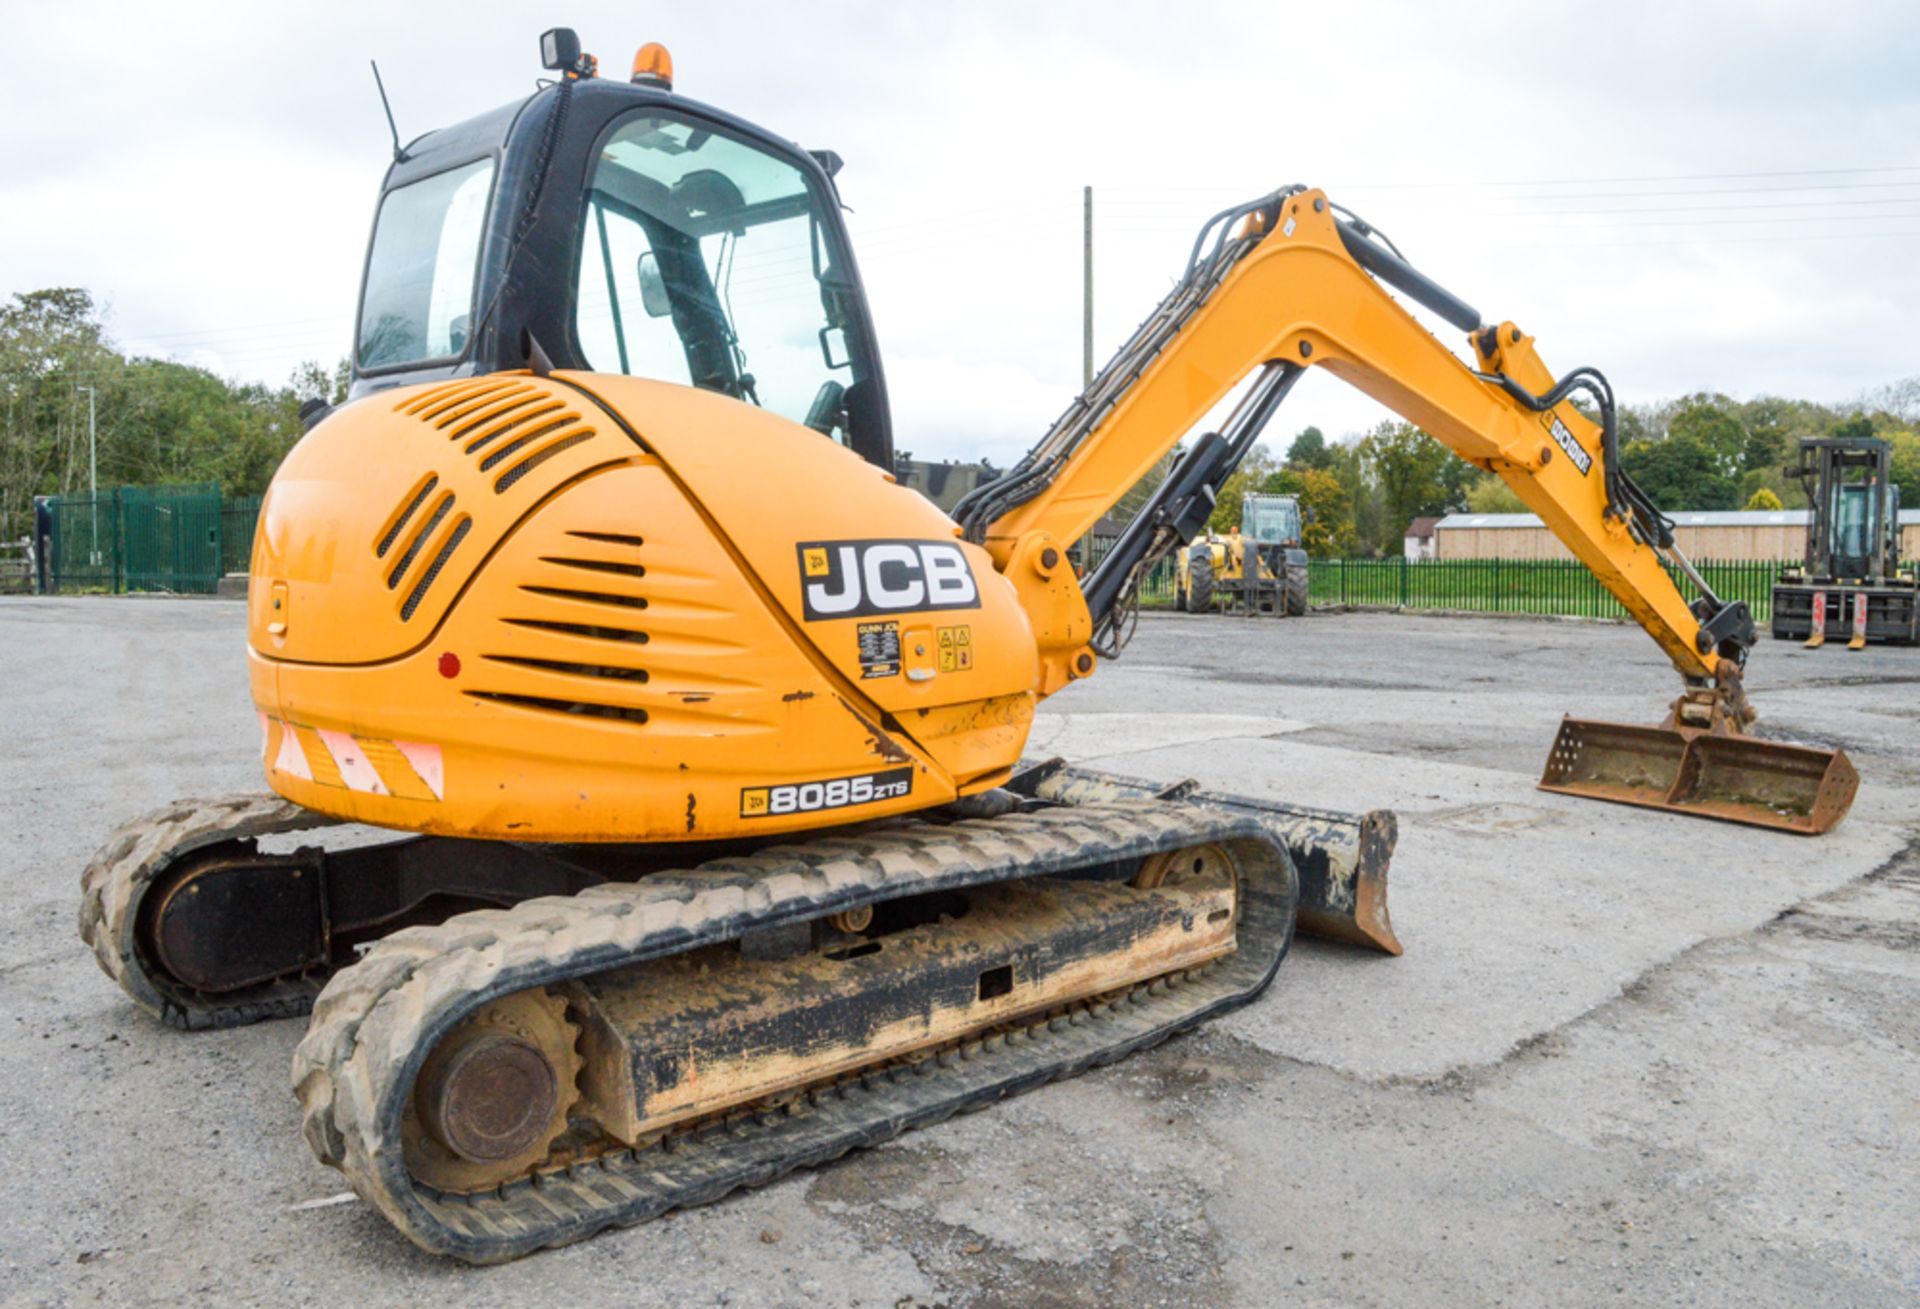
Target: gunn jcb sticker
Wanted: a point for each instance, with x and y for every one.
(858, 579)
(1567, 442)
(836, 793)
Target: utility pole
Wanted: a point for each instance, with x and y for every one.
(1086, 294)
(93, 473)
(93, 448)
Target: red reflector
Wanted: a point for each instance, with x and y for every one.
(449, 664)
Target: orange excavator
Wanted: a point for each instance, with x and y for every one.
(704, 736)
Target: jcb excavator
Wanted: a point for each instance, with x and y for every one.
(600, 586)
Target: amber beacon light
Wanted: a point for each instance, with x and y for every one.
(653, 66)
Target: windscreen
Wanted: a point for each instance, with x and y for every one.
(1852, 528)
(703, 261)
(418, 302)
(1271, 521)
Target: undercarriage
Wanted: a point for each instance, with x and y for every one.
(634, 1029)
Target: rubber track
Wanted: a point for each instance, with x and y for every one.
(377, 1019)
(134, 857)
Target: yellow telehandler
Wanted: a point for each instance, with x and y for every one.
(1213, 567)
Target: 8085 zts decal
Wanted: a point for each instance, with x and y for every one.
(857, 579)
(837, 793)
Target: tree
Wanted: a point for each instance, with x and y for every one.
(1309, 450)
(1490, 495)
(1906, 466)
(1326, 512)
(156, 420)
(1774, 481)
(1775, 425)
(51, 346)
(1679, 473)
(1855, 427)
(1417, 476)
(1362, 491)
(1709, 422)
(1252, 471)
(1764, 499)
(1900, 401)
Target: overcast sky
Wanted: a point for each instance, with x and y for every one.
(1686, 195)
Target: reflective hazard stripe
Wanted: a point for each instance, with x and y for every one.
(409, 770)
(351, 760)
(426, 762)
(292, 760)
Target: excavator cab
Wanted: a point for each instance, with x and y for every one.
(688, 245)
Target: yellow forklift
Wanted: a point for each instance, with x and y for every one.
(1852, 574)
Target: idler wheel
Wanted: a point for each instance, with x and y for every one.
(493, 1095)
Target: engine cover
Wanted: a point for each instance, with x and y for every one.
(590, 608)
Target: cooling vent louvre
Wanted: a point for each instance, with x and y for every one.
(419, 592)
(626, 635)
(596, 565)
(544, 659)
(402, 514)
(430, 544)
(501, 420)
(610, 672)
(441, 508)
(538, 457)
(545, 704)
(589, 597)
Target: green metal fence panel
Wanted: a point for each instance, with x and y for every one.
(84, 553)
(178, 539)
(171, 538)
(239, 515)
(1562, 587)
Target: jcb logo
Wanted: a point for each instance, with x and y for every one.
(854, 579)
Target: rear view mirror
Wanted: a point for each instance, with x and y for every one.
(653, 288)
(833, 347)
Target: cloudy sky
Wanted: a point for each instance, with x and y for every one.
(1687, 195)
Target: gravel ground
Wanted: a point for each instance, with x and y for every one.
(1628, 1058)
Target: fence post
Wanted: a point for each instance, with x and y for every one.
(113, 538)
(1403, 580)
(1343, 582)
(1499, 597)
(219, 538)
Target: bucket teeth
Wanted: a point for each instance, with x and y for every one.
(1730, 776)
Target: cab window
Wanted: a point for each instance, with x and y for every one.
(704, 261)
(418, 302)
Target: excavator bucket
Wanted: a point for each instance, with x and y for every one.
(1730, 776)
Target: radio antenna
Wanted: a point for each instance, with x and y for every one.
(399, 155)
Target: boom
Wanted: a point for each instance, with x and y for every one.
(1291, 290)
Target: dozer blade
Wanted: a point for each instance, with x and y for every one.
(1737, 778)
(1341, 858)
